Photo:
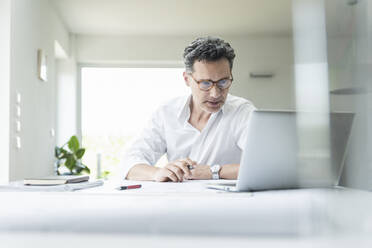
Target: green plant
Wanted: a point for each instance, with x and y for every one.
(71, 157)
(104, 175)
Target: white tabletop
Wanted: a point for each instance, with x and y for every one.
(187, 210)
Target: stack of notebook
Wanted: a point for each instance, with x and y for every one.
(55, 180)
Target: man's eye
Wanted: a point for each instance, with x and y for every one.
(222, 82)
(205, 83)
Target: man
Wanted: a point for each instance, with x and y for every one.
(202, 134)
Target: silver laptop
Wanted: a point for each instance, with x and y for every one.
(287, 150)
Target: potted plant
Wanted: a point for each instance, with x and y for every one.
(70, 157)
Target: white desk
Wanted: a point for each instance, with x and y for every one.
(186, 211)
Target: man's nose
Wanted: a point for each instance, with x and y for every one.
(214, 92)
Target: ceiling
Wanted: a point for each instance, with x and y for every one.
(185, 17)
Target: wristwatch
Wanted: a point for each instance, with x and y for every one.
(216, 171)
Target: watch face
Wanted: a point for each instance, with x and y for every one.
(215, 168)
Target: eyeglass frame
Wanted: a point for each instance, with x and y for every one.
(213, 82)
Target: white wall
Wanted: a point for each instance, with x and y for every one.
(5, 9)
(264, 53)
(254, 53)
(67, 98)
(34, 26)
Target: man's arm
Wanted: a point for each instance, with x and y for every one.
(228, 171)
(175, 171)
(141, 172)
(145, 150)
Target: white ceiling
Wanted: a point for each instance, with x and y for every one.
(184, 17)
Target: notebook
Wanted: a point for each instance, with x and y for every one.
(55, 180)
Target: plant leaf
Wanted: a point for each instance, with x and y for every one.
(73, 144)
(64, 153)
(87, 170)
(78, 170)
(57, 151)
(105, 174)
(79, 165)
(70, 162)
(80, 153)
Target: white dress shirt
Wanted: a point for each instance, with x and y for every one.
(168, 131)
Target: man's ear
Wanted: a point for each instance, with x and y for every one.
(186, 78)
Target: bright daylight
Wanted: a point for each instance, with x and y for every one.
(116, 104)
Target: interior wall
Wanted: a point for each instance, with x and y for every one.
(34, 25)
(273, 54)
(340, 51)
(67, 98)
(254, 54)
(5, 9)
(265, 54)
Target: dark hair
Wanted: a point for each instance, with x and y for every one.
(207, 49)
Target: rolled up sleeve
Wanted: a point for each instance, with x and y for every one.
(148, 147)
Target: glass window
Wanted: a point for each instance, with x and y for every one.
(116, 103)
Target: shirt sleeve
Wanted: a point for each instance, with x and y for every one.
(148, 147)
(243, 116)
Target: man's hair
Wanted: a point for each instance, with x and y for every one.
(207, 49)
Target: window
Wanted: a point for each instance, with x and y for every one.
(116, 104)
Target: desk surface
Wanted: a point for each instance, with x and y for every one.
(188, 209)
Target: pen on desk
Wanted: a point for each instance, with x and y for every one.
(136, 186)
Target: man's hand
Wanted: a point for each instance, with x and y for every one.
(201, 172)
(175, 171)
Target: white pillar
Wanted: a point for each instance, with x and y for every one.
(312, 90)
(5, 11)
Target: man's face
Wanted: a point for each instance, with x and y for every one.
(212, 100)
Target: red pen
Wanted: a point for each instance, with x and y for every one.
(136, 186)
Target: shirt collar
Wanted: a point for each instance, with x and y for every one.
(184, 112)
(225, 107)
(184, 108)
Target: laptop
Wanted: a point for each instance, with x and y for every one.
(286, 150)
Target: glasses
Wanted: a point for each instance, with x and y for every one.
(208, 84)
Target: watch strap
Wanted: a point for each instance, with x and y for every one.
(216, 171)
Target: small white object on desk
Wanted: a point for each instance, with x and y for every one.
(19, 186)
